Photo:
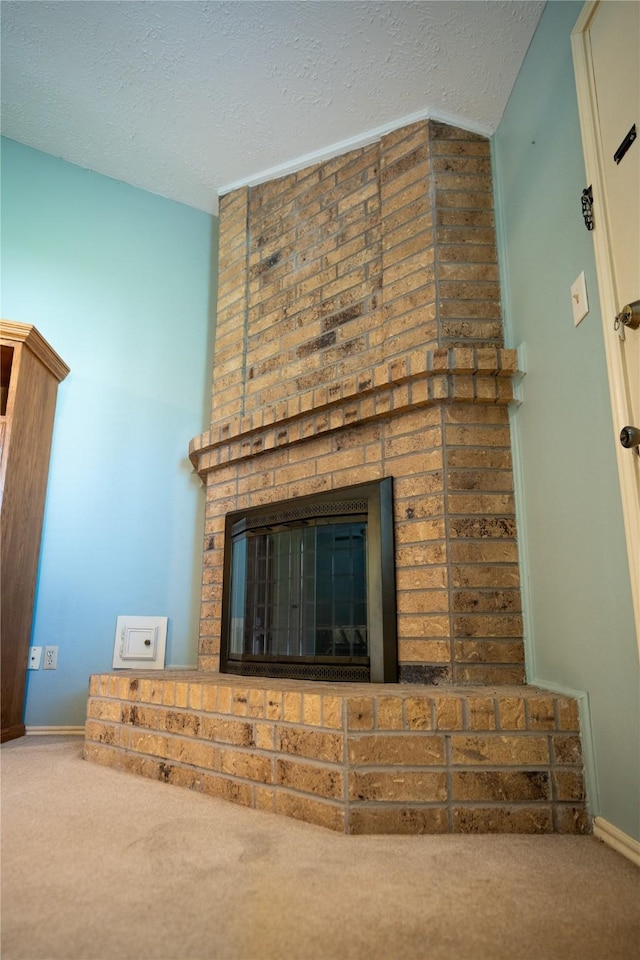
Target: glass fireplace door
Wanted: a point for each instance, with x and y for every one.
(300, 591)
(309, 587)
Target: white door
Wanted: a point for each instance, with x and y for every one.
(606, 44)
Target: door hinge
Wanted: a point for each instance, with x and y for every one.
(587, 207)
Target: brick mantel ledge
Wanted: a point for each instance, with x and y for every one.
(421, 378)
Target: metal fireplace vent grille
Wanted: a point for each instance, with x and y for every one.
(302, 512)
(299, 671)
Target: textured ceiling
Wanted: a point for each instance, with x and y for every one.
(188, 98)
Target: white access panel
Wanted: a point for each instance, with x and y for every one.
(140, 642)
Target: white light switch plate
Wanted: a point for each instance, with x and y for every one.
(140, 642)
(579, 302)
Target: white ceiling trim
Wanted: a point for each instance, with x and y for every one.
(353, 143)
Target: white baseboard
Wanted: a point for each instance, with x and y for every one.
(54, 731)
(617, 839)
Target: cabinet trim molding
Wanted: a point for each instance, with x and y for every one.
(26, 333)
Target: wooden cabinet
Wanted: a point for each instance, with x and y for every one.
(31, 371)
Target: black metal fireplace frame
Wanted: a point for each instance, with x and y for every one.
(375, 501)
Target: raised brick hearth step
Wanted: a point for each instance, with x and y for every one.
(358, 758)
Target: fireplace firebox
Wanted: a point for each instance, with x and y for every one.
(309, 588)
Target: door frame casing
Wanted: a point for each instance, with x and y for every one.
(601, 234)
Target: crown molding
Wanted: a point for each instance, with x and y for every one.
(353, 143)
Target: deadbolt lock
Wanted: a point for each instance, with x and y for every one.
(629, 316)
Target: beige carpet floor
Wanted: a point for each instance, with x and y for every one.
(99, 864)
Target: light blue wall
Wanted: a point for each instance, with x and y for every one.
(118, 280)
(577, 592)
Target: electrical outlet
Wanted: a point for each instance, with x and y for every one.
(35, 656)
(50, 658)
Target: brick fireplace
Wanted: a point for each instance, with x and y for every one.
(359, 338)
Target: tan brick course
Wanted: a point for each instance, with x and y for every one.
(398, 820)
(492, 820)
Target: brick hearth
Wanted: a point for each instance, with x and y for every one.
(359, 758)
(359, 337)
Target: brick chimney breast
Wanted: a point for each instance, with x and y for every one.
(359, 336)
